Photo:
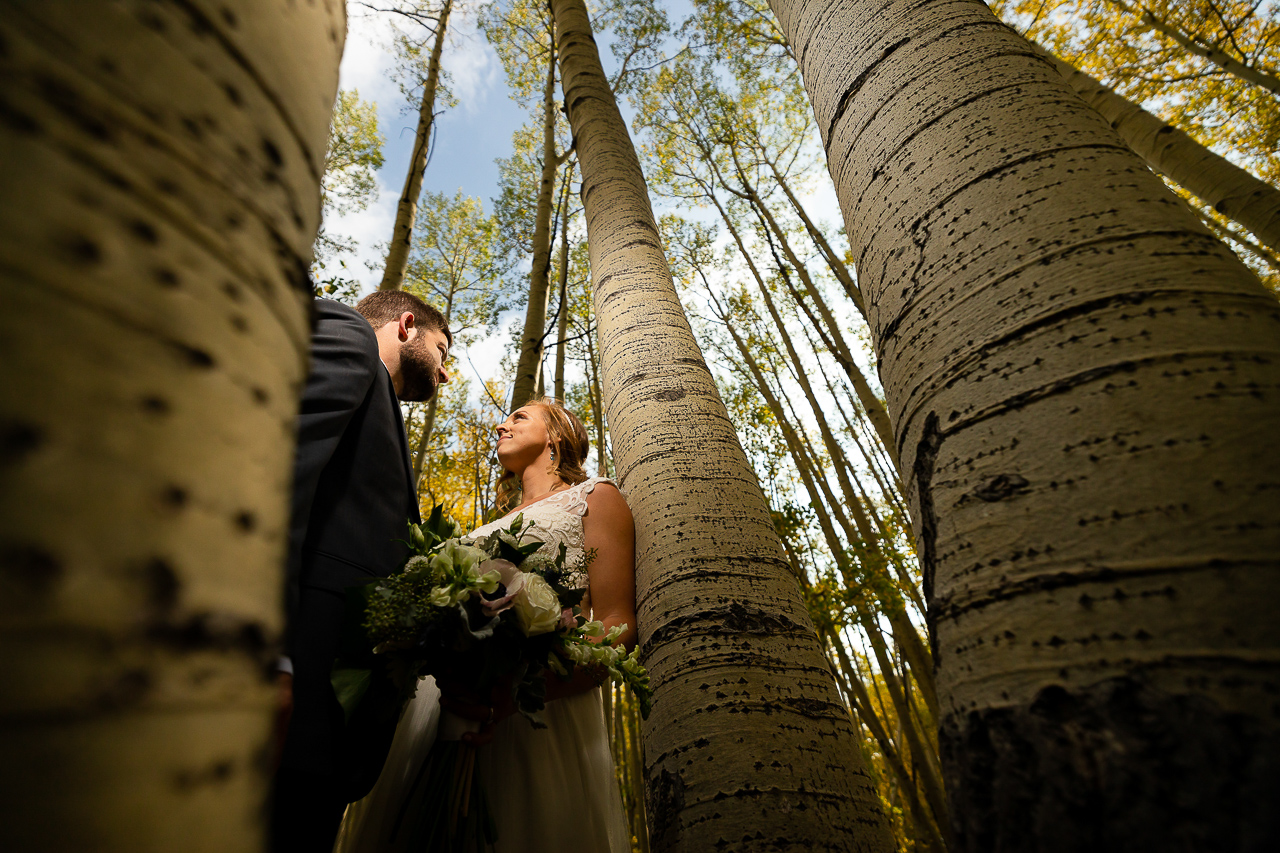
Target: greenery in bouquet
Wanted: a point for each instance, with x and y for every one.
(479, 612)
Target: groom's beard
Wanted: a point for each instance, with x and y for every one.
(419, 371)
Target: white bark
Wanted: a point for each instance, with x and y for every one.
(1078, 376)
(161, 181)
(749, 746)
(1230, 190)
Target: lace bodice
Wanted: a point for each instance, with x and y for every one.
(556, 519)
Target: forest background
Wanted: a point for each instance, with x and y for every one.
(749, 216)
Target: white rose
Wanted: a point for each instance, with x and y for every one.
(536, 606)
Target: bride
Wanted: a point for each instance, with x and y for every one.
(548, 789)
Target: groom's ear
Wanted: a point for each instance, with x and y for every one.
(405, 326)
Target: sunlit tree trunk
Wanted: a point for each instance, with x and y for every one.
(1078, 375)
(749, 745)
(1224, 186)
(407, 207)
(161, 185)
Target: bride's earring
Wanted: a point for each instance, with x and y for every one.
(553, 454)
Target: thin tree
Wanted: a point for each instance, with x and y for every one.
(1077, 373)
(161, 189)
(407, 206)
(740, 677)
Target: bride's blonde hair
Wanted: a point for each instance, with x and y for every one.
(568, 440)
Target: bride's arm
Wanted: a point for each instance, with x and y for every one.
(609, 530)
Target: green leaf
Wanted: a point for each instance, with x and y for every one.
(350, 685)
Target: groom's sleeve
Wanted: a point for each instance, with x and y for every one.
(344, 361)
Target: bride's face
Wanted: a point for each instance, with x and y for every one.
(522, 439)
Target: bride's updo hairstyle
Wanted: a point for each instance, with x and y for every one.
(568, 439)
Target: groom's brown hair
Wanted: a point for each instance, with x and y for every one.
(386, 306)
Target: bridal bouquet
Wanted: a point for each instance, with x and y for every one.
(486, 614)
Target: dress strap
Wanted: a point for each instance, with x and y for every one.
(574, 499)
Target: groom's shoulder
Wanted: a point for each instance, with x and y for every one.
(337, 323)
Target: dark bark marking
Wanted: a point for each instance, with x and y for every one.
(126, 689)
(81, 250)
(174, 497)
(211, 631)
(144, 231)
(165, 277)
(18, 121)
(1117, 765)
(846, 97)
(1066, 580)
(18, 440)
(215, 774)
(664, 801)
(195, 356)
(155, 405)
(1000, 487)
(925, 461)
(29, 570)
(669, 396)
(273, 153)
(260, 395)
(246, 521)
(734, 619)
(67, 101)
(162, 586)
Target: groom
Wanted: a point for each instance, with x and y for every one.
(353, 497)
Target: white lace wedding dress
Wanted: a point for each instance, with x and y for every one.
(550, 790)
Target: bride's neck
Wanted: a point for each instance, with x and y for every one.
(535, 484)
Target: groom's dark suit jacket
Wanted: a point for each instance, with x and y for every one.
(352, 499)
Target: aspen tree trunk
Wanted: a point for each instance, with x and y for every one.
(528, 378)
(1226, 187)
(562, 321)
(1225, 61)
(749, 746)
(407, 207)
(1078, 375)
(161, 187)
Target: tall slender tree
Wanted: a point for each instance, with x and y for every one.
(750, 746)
(1076, 373)
(161, 187)
(407, 207)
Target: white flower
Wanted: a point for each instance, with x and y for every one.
(418, 566)
(511, 578)
(537, 608)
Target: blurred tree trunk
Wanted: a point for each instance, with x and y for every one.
(161, 189)
(407, 207)
(1077, 374)
(714, 586)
